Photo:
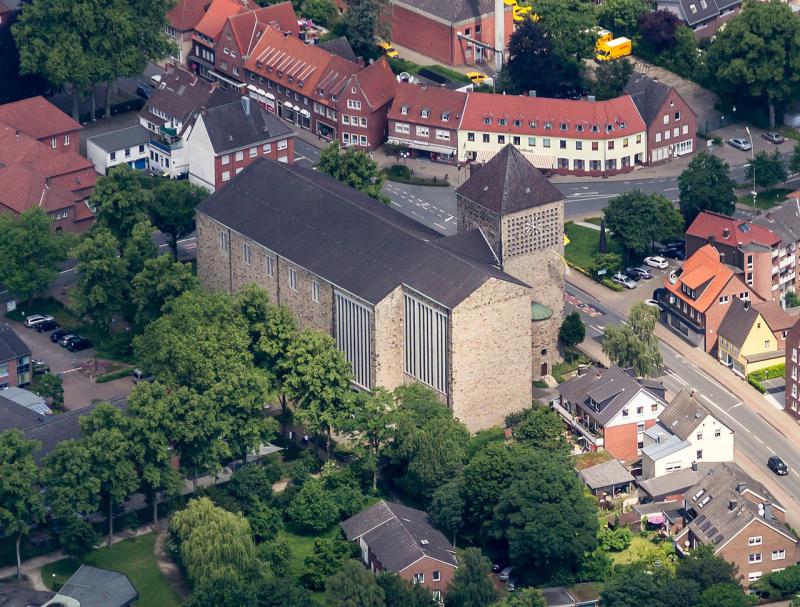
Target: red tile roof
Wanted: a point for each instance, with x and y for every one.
(214, 20)
(436, 100)
(37, 117)
(21, 188)
(620, 114)
(377, 82)
(731, 231)
(185, 15)
(248, 27)
(703, 268)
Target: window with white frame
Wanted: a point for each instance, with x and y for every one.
(345, 119)
(353, 104)
(419, 578)
(362, 140)
(246, 253)
(240, 155)
(753, 576)
(283, 144)
(362, 121)
(778, 555)
(226, 175)
(437, 576)
(402, 127)
(4, 370)
(754, 557)
(270, 266)
(223, 241)
(443, 135)
(66, 139)
(53, 142)
(267, 148)
(423, 131)
(315, 290)
(293, 279)
(226, 158)
(253, 152)
(755, 541)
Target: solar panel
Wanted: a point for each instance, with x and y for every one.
(705, 525)
(717, 539)
(711, 531)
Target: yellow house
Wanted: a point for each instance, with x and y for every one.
(746, 342)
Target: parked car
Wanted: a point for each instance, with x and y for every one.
(740, 144)
(623, 280)
(476, 77)
(144, 91)
(45, 326)
(34, 319)
(639, 272)
(138, 376)
(39, 367)
(674, 253)
(56, 335)
(659, 293)
(511, 585)
(77, 343)
(773, 137)
(656, 261)
(505, 574)
(386, 47)
(62, 341)
(653, 304)
(778, 466)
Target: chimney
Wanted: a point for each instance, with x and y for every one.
(17, 134)
(590, 98)
(246, 105)
(531, 93)
(741, 487)
(581, 370)
(746, 303)
(733, 504)
(691, 393)
(694, 466)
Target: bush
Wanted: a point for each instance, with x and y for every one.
(615, 540)
(101, 379)
(313, 508)
(264, 521)
(607, 282)
(780, 584)
(756, 377)
(77, 537)
(398, 170)
(250, 484)
(327, 559)
(278, 555)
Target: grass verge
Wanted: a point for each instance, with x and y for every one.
(584, 244)
(766, 199)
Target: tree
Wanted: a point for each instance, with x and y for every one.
(15, 85)
(610, 77)
(277, 554)
(542, 428)
(777, 584)
(547, 520)
(726, 595)
(374, 416)
(139, 247)
(160, 281)
(228, 589)
(21, 502)
(572, 331)
(31, 252)
(794, 159)
(631, 588)
(344, 488)
(51, 387)
(100, 292)
(321, 11)
(610, 262)
(121, 201)
(105, 435)
(72, 484)
(362, 20)
(402, 593)
(265, 522)
(250, 485)
(212, 541)
(77, 537)
(328, 556)
(318, 381)
(706, 568)
(447, 506)
(657, 29)
(352, 166)
(769, 69)
(534, 65)
(313, 508)
(705, 185)
(283, 592)
(472, 584)
(634, 344)
(682, 56)
(526, 597)
(571, 26)
(615, 540)
(172, 208)
(149, 420)
(622, 16)
(353, 586)
(638, 220)
(770, 169)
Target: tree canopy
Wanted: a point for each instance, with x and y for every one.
(705, 185)
(769, 169)
(354, 586)
(351, 166)
(634, 344)
(172, 208)
(534, 65)
(622, 16)
(638, 220)
(572, 331)
(472, 584)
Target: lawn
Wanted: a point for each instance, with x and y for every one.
(765, 199)
(583, 245)
(301, 547)
(633, 552)
(135, 558)
(44, 305)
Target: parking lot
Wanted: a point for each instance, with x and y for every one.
(79, 390)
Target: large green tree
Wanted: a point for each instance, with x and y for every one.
(622, 16)
(705, 185)
(227, 589)
(540, 427)
(472, 584)
(73, 487)
(353, 586)
(121, 201)
(768, 169)
(374, 415)
(610, 78)
(638, 220)
(31, 252)
(447, 506)
(572, 331)
(526, 597)
(21, 502)
(139, 247)
(313, 508)
(352, 167)
(570, 24)
(634, 344)
(362, 20)
(534, 65)
(402, 593)
(757, 55)
(100, 291)
(326, 559)
(172, 209)
(160, 281)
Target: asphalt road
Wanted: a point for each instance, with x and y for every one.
(754, 436)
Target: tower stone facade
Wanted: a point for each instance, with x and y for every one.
(521, 214)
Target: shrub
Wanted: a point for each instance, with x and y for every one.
(780, 584)
(313, 508)
(615, 540)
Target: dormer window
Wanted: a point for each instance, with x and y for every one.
(502, 121)
(609, 128)
(517, 122)
(445, 116)
(425, 112)
(595, 128)
(532, 124)
(563, 126)
(621, 125)
(269, 69)
(579, 128)
(404, 110)
(487, 120)
(548, 125)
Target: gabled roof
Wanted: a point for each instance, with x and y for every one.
(648, 94)
(15, 416)
(444, 106)
(450, 11)
(93, 587)
(11, 345)
(340, 46)
(121, 138)
(706, 274)
(731, 231)
(343, 235)
(738, 321)
(605, 474)
(783, 221)
(37, 117)
(775, 316)
(399, 536)
(186, 14)
(471, 243)
(232, 127)
(683, 414)
(214, 19)
(377, 82)
(27, 399)
(509, 183)
(249, 26)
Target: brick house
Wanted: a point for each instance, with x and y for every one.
(746, 341)
(183, 18)
(793, 372)
(432, 28)
(612, 408)
(393, 537)
(426, 119)
(750, 248)
(561, 136)
(15, 359)
(703, 17)
(784, 222)
(403, 303)
(671, 123)
(207, 32)
(741, 519)
(697, 296)
(43, 121)
(227, 138)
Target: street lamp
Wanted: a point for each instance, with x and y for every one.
(753, 165)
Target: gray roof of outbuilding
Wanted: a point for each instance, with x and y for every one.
(15, 416)
(648, 95)
(121, 138)
(344, 236)
(399, 535)
(451, 11)
(340, 46)
(232, 127)
(11, 344)
(738, 321)
(673, 482)
(558, 597)
(669, 444)
(93, 587)
(12, 595)
(605, 474)
(509, 183)
(683, 414)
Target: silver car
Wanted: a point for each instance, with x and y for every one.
(623, 280)
(740, 144)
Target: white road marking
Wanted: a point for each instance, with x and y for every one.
(71, 370)
(677, 377)
(394, 203)
(727, 414)
(670, 189)
(441, 227)
(449, 218)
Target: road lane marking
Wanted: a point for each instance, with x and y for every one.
(394, 203)
(441, 227)
(727, 414)
(677, 377)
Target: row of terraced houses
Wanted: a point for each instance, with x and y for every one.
(330, 92)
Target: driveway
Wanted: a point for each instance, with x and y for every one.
(79, 390)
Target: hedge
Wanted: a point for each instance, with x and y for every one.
(756, 377)
(101, 379)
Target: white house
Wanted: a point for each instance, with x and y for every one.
(125, 146)
(686, 433)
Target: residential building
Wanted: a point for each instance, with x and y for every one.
(779, 320)
(563, 136)
(703, 17)
(6, 12)
(746, 342)
(521, 216)
(206, 35)
(90, 586)
(27, 399)
(671, 123)
(393, 537)
(124, 146)
(402, 302)
(698, 295)
(425, 119)
(169, 115)
(784, 221)
(686, 433)
(183, 18)
(741, 520)
(611, 410)
(607, 479)
(750, 249)
(40, 119)
(226, 138)
(673, 486)
(15, 359)
(433, 28)
(792, 373)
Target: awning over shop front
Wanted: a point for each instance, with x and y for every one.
(422, 145)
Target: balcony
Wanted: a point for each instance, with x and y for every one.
(166, 148)
(169, 131)
(786, 261)
(578, 425)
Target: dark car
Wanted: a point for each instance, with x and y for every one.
(56, 335)
(144, 91)
(674, 253)
(778, 466)
(659, 293)
(639, 272)
(45, 326)
(65, 338)
(77, 343)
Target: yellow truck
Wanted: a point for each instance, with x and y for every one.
(613, 49)
(603, 35)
